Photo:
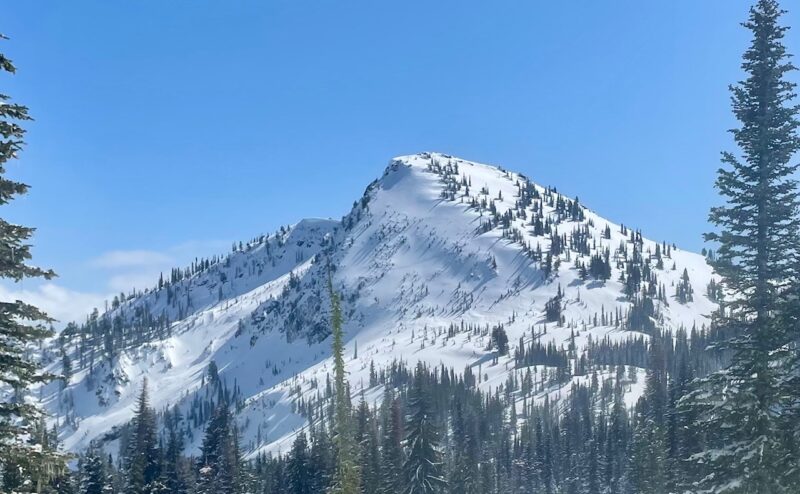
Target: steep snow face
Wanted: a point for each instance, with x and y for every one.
(437, 253)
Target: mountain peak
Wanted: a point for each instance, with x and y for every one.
(437, 255)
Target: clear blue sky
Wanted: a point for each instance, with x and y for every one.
(169, 129)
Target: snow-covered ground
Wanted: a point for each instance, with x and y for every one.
(421, 279)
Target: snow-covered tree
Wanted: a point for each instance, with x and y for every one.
(346, 476)
(758, 227)
(422, 469)
(23, 458)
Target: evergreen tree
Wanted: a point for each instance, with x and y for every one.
(321, 458)
(391, 444)
(500, 340)
(684, 292)
(757, 234)
(648, 451)
(298, 466)
(23, 458)
(367, 440)
(175, 469)
(142, 467)
(346, 476)
(422, 468)
(94, 478)
(220, 463)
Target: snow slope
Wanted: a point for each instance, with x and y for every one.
(424, 273)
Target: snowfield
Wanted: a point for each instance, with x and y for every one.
(423, 276)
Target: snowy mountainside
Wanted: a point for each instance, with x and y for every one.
(437, 254)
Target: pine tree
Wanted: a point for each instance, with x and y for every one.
(321, 462)
(220, 462)
(422, 468)
(648, 459)
(142, 467)
(683, 291)
(22, 458)
(648, 451)
(500, 340)
(175, 470)
(94, 479)
(346, 476)
(790, 386)
(391, 444)
(367, 440)
(757, 234)
(298, 466)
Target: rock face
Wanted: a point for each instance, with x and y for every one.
(437, 256)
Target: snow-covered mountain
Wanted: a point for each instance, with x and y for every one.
(436, 254)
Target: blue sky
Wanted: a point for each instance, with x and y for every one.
(166, 130)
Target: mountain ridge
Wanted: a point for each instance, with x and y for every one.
(435, 255)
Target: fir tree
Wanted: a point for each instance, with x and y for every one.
(23, 459)
(298, 466)
(175, 471)
(500, 340)
(422, 468)
(391, 444)
(94, 478)
(220, 464)
(346, 476)
(321, 462)
(142, 467)
(757, 234)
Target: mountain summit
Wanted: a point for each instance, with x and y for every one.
(451, 262)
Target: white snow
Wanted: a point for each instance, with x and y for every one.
(409, 263)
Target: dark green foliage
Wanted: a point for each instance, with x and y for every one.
(176, 469)
(94, 475)
(434, 424)
(553, 307)
(142, 465)
(219, 467)
(392, 456)
(24, 460)
(299, 466)
(684, 292)
(422, 470)
(500, 340)
(347, 476)
(739, 408)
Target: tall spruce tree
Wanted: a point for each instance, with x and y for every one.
(346, 478)
(738, 407)
(299, 471)
(23, 460)
(175, 469)
(391, 444)
(648, 451)
(94, 477)
(142, 467)
(790, 385)
(220, 462)
(422, 469)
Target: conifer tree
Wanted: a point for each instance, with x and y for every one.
(298, 466)
(648, 451)
(391, 444)
(142, 467)
(174, 471)
(368, 445)
(758, 229)
(220, 462)
(346, 476)
(22, 458)
(94, 479)
(422, 469)
(321, 457)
